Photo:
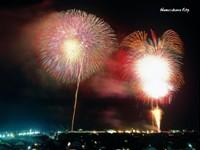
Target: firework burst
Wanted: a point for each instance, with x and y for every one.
(71, 39)
(74, 45)
(154, 63)
(155, 67)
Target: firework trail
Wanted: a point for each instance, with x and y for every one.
(73, 45)
(157, 116)
(155, 66)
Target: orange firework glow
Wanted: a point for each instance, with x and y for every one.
(155, 64)
(157, 116)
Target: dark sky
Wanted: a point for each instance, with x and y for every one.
(30, 98)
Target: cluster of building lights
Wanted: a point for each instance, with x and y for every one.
(16, 134)
(112, 131)
(130, 131)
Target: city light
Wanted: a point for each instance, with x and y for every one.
(29, 132)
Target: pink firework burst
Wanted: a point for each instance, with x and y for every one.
(71, 40)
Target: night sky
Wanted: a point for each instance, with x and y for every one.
(31, 98)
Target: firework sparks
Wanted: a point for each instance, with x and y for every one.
(157, 116)
(73, 45)
(67, 39)
(155, 63)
